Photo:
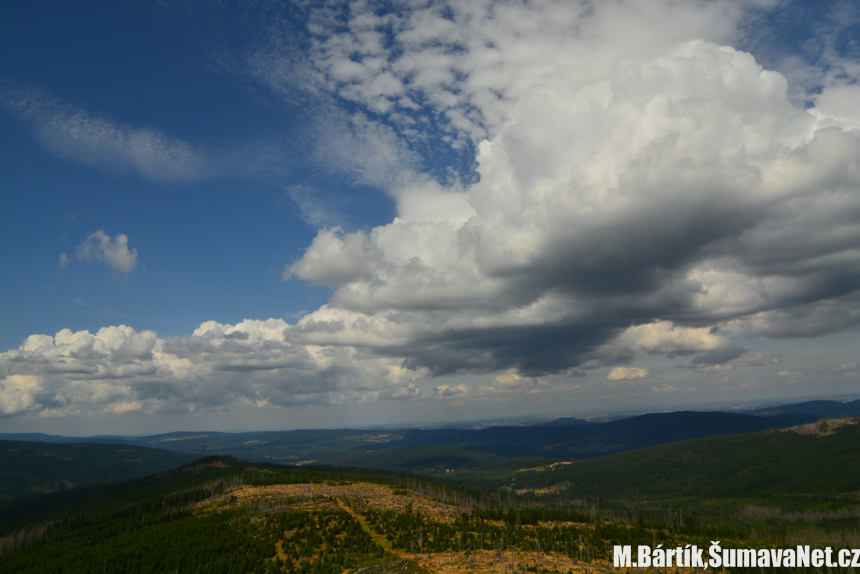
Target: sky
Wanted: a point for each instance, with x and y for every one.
(276, 215)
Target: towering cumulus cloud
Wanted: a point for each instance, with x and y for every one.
(682, 189)
(636, 190)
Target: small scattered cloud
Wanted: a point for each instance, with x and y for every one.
(122, 407)
(755, 359)
(64, 260)
(627, 374)
(666, 388)
(512, 381)
(114, 252)
(751, 384)
(448, 391)
(847, 370)
(712, 368)
(744, 359)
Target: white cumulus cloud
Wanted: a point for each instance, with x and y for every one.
(621, 181)
(114, 252)
(683, 189)
(119, 369)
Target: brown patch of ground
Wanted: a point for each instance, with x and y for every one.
(548, 490)
(546, 467)
(822, 427)
(358, 495)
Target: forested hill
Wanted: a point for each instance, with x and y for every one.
(814, 466)
(29, 468)
(220, 515)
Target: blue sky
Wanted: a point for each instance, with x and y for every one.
(258, 215)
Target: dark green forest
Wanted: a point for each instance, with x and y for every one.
(28, 468)
(772, 489)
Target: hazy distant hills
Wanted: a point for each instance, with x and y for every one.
(28, 468)
(586, 441)
(362, 448)
(564, 422)
(832, 409)
(282, 447)
(34, 463)
(447, 451)
(42, 467)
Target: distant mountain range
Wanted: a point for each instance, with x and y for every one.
(37, 462)
(573, 441)
(832, 409)
(587, 441)
(565, 422)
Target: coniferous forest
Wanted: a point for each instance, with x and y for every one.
(221, 515)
